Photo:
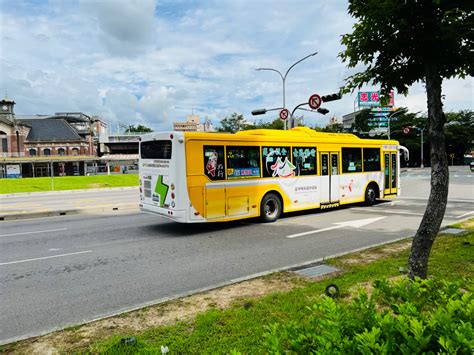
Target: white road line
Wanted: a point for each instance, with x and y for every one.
(354, 224)
(34, 232)
(465, 214)
(312, 232)
(426, 199)
(393, 211)
(45, 257)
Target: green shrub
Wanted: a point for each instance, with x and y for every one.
(403, 317)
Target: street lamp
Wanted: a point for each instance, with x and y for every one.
(392, 115)
(421, 133)
(283, 77)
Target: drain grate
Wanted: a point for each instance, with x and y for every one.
(453, 231)
(317, 270)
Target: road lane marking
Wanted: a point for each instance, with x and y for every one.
(426, 199)
(34, 232)
(354, 224)
(45, 257)
(465, 214)
(393, 211)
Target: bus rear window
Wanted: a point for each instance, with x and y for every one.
(156, 149)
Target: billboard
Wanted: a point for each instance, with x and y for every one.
(13, 171)
(372, 99)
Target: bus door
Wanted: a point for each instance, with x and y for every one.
(390, 173)
(329, 177)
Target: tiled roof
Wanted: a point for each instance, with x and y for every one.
(49, 129)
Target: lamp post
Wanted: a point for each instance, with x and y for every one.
(393, 114)
(421, 158)
(283, 77)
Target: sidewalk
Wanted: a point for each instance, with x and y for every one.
(70, 202)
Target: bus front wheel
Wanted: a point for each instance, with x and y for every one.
(370, 195)
(270, 209)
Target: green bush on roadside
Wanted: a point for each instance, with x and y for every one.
(407, 317)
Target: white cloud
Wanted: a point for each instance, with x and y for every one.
(126, 27)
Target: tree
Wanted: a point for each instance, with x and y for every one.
(459, 134)
(236, 122)
(403, 42)
(277, 123)
(334, 128)
(138, 129)
(361, 122)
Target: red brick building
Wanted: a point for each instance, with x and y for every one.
(36, 145)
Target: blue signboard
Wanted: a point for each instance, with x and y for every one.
(243, 172)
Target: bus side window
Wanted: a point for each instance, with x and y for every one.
(304, 160)
(243, 162)
(214, 162)
(351, 160)
(371, 159)
(276, 162)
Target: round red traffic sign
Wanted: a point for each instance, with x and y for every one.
(314, 101)
(284, 114)
(406, 130)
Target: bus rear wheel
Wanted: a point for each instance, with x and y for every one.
(270, 208)
(370, 195)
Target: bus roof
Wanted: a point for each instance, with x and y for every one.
(295, 134)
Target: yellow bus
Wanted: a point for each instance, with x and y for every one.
(195, 177)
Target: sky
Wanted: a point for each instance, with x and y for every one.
(153, 62)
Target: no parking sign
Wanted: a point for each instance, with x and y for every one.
(284, 114)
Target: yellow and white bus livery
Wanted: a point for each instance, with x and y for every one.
(195, 177)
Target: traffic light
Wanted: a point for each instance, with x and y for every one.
(331, 97)
(323, 111)
(260, 111)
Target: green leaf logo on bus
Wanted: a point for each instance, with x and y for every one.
(161, 190)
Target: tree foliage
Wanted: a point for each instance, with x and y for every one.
(138, 129)
(403, 42)
(275, 124)
(234, 123)
(334, 128)
(396, 40)
(361, 122)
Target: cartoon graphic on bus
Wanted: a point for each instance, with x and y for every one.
(283, 168)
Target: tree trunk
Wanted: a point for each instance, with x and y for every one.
(434, 213)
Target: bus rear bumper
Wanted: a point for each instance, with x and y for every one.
(175, 215)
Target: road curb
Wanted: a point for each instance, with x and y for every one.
(43, 193)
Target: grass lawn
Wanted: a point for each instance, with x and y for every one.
(240, 324)
(8, 186)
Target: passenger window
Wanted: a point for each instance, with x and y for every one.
(243, 162)
(214, 162)
(371, 159)
(351, 160)
(276, 162)
(304, 160)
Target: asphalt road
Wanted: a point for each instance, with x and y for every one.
(60, 271)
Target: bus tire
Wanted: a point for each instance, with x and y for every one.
(270, 208)
(370, 195)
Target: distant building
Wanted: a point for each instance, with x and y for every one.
(193, 124)
(333, 120)
(65, 143)
(349, 119)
